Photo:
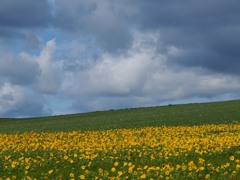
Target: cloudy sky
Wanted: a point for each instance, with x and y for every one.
(69, 56)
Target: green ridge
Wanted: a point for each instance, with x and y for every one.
(171, 115)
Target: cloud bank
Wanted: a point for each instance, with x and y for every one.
(78, 56)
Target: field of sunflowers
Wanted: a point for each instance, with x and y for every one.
(163, 152)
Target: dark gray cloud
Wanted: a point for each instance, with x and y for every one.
(24, 13)
(207, 32)
(73, 15)
(188, 14)
(216, 50)
(21, 20)
(98, 19)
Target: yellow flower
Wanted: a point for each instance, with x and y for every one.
(27, 160)
(191, 164)
(130, 170)
(65, 157)
(129, 164)
(143, 176)
(231, 158)
(50, 171)
(113, 169)
(106, 174)
(120, 173)
(100, 170)
(71, 175)
(167, 173)
(201, 160)
(207, 176)
(82, 177)
(184, 167)
(116, 164)
(71, 161)
(178, 167)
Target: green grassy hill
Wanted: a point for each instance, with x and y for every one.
(172, 115)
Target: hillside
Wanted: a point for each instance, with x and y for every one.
(171, 115)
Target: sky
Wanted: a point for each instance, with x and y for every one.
(61, 57)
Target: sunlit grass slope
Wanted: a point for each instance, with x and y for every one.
(171, 115)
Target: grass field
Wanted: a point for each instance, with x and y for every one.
(192, 141)
(172, 115)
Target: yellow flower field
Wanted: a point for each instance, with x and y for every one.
(196, 152)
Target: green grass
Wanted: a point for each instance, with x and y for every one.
(171, 115)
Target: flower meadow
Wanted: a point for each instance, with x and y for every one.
(175, 152)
